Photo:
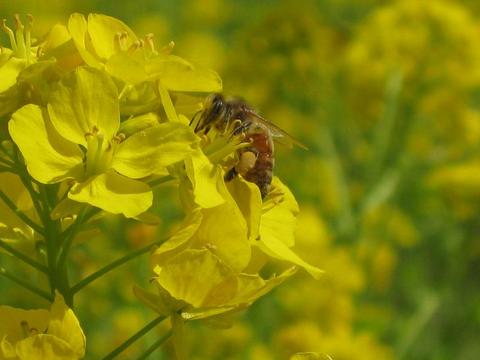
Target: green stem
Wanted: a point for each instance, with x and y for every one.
(20, 214)
(70, 233)
(135, 337)
(155, 345)
(23, 257)
(114, 265)
(26, 285)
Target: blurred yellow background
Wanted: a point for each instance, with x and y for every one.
(386, 95)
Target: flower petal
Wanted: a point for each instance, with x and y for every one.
(49, 157)
(125, 68)
(85, 101)
(275, 248)
(9, 72)
(44, 347)
(191, 275)
(103, 29)
(203, 175)
(177, 74)
(114, 193)
(64, 325)
(77, 26)
(279, 216)
(12, 318)
(150, 151)
(224, 230)
(248, 198)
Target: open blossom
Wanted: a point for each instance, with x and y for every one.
(41, 334)
(77, 139)
(148, 74)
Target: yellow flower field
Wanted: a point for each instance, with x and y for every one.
(240, 180)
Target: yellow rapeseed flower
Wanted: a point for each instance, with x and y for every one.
(41, 334)
(77, 138)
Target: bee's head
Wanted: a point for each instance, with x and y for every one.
(214, 108)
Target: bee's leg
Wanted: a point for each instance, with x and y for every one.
(230, 174)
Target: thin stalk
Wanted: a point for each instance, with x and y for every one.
(114, 265)
(6, 162)
(135, 337)
(70, 235)
(155, 345)
(2, 148)
(20, 214)
(5, 169)
(23, 257)
(26, 285)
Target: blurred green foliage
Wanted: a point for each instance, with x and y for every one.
(386, 95)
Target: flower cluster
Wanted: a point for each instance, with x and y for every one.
(95, 117)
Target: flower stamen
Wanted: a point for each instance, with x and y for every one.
(10, 34)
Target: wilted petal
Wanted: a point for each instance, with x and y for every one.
(49, 157)
(85, 101)
(151, 150)
(114, 193)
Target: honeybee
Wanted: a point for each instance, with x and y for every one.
(256, 161)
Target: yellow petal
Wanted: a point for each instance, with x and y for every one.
(9, 72)
(85, 102)
(103, 29)
(77, 26)
(179, 240)
(279, 217)
(12, 318)
(275, 248)
(125, 68)
(177, 74)
(163, 303)
(44, 347)
(138, 123)
(49, 157)
(204, 178)
(191, 275)
(248, 198)
(150, 151)
(64, 325)
(224, 230)
(114, 193)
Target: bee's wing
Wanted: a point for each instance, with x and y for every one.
(279, 135)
